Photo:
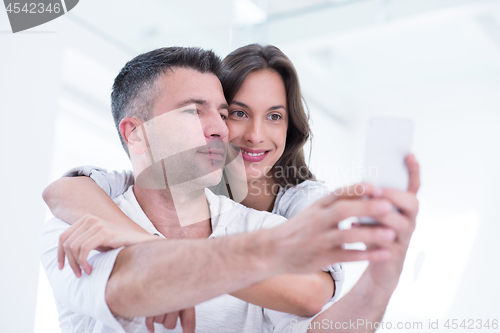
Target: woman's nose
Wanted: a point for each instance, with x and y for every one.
(255, 132)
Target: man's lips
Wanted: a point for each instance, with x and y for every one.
(213, 149)
(214, 152)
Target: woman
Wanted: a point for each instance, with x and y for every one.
(267, 120)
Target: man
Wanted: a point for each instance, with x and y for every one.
(158, 277)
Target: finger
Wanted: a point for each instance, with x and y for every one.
(71, 260)
(401, 224)
(355, 191)
(88, 245)
(413, 173)
(160, 319)
(344, 255)
(344, 209)
(171, 320)
(371, 236)
(188, 320)
(62, 239)
(406, 202)
(76, 247)
(68, 237)
(150, 324)
(61, 258)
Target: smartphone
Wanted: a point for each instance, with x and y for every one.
(388, 143)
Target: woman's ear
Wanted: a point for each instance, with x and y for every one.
(131, 131)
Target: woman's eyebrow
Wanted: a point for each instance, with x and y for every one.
(272, 108)
(276, 107)
(243, 105)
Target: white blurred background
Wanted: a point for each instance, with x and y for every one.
(434, 61)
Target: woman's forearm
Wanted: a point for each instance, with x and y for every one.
(70, 198)
(303, 295)
(364, 306)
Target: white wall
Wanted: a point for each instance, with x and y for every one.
(54, 87)
(29, 89)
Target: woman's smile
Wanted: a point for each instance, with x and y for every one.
(253, 155)
(258, 122)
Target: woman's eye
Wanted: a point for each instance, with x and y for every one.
(274, 117)
(238, 114)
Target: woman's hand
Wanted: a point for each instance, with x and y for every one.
(93, 233)
(386, 274)
(169, 320)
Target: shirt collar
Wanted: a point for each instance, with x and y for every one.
(217, 205)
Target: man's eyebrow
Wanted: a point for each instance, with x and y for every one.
(192, 101)
(272, 108)
(224, 106)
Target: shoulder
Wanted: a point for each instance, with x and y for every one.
(113, 182)
(308, 187)
(292, 200)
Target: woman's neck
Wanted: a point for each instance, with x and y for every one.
(261, 194)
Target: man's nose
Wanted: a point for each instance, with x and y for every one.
(214, 126)
(255, 132)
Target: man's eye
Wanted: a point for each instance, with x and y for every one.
(191, 111)
(223, 116)
(275, 117)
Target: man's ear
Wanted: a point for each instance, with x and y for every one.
(131, 131)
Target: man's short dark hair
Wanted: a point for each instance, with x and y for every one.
(134, 90)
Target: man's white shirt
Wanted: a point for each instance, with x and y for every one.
(81, 301)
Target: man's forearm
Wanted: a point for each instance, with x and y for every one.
(364, 303)
(165, 276)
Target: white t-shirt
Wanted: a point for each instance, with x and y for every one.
(81, 301)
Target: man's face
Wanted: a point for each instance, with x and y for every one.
(187, 134)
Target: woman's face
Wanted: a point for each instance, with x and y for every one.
(258, 121)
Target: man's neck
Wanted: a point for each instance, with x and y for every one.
(176, 216)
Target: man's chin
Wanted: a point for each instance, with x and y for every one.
(198, 184)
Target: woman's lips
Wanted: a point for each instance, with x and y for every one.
(252, 155)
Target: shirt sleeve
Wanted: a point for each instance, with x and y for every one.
(114, 183)
(288, 323)
(84, 295)
(302, 196)
(337, 273)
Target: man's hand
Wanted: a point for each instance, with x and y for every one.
(93, 233)
(386, 274)
(169, 320)
(315, 231)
